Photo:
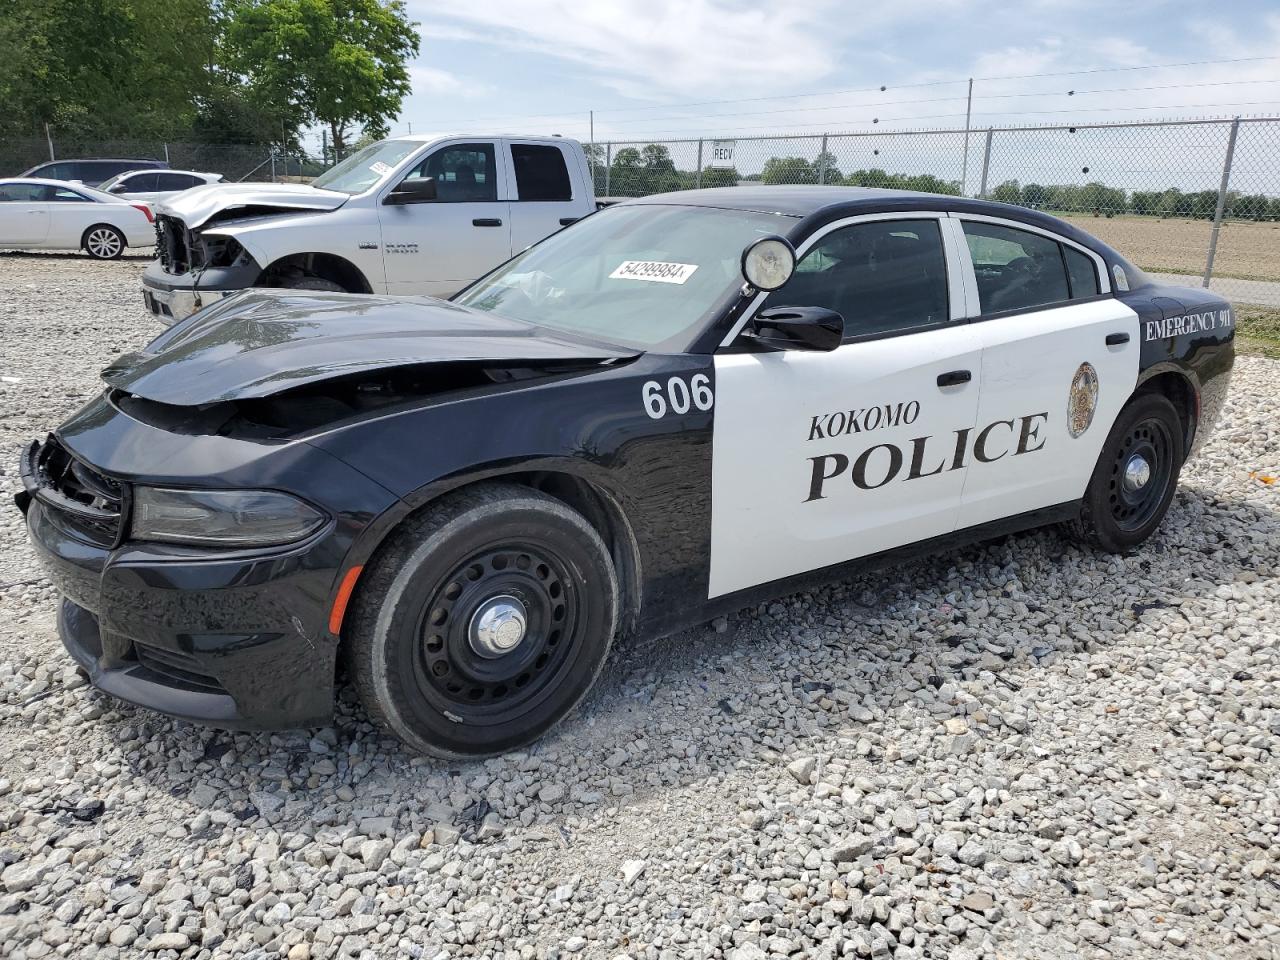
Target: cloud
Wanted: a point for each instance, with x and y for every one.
(656, 48)
(431, 80)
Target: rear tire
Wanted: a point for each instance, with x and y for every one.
(483, 622)
(103, 242)
(1135, 478)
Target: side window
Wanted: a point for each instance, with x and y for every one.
(65, 195)
(1015, 269)
(55, 171)
(886, 276)
(465, 173)
(171, 181)
(21, 193)
(541, 173)
(1082, 273)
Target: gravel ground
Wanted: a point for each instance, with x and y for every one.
(1022, 749)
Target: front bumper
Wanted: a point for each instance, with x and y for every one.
(232, 637)
(233, 642)
(169, 297)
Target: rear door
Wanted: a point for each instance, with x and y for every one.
(24, 214)
(1049, 327)
(440, 246)
(542, 194)
(819, 458)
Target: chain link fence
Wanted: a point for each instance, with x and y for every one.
(235, 161)
(1195, 201)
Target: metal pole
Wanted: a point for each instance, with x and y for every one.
(986, 165)
(964, 163)
(822, 155)
(591, 114)
(49, 136)
(166, 153)
(608, 166)
(1222, 201)
(698, 179)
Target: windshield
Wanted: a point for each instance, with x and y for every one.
(363, 169)
(644, 276)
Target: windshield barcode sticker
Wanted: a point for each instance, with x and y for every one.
(380, 168)
(654, 270)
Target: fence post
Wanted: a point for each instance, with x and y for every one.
(608, 165)
(49, 136)
(964, 161)
(698, 179)
(1222, 201)
(166, 153)
(822, 155)
(986, 166)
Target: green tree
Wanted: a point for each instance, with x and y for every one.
(787, 170)
(337, 63)
(1008, 192)
(825, 169)
(1034, 195)
(720, 176)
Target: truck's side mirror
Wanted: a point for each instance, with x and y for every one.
(798, 328)
(418, 190)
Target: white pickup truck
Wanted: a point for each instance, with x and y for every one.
(410, 215)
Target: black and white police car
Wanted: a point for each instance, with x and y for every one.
(678, 406)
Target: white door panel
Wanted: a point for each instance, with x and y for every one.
(1029, 361)
(818, 458)
(431, 246)
(23, 223)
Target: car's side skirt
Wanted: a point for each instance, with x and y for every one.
(750, 596)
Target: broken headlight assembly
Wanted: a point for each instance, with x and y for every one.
(224, 518)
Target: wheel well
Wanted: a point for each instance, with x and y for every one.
(599, 509)
(1179, 390)
(84, 237)
(328, 266)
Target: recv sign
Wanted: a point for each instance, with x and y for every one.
(722, 152)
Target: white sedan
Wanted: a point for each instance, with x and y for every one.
(153, 185)
(51, 214)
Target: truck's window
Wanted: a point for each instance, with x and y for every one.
(887, 276)
(541, 173)
(363, 169)
(464, 173)
(1015, 269)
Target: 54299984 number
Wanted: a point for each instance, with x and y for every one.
(677, 396)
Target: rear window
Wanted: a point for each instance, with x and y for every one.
(541, 173)
(1082, 273)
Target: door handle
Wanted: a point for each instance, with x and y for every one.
(954, 378)
(565, 221)
(486, 222)
(1115, 339)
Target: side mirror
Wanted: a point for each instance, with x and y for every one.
(119, 188)
(798, 328)
(421, 190)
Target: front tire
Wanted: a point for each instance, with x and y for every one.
(483, 622)
(1135, 478)
(103, 242)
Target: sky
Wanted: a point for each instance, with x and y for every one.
(648, 67)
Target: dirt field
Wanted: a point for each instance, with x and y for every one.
(1246, 250)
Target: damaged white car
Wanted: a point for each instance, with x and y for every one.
(411, 215)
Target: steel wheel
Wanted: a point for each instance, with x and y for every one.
(482, 621)
(497, 632)
(1140, 474)
(103, 242)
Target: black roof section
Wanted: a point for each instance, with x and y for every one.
(817, 205)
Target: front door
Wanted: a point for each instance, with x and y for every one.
(819, 458)
(24, 215)
(542, 201)
(1048, 329)
(440, 246)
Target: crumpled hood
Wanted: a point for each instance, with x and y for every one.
(194, 207)
(262, 342)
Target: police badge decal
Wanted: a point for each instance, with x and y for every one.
(1082, 400)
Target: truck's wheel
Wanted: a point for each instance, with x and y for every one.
(483, 621)
(1135, 478)
(103, 242)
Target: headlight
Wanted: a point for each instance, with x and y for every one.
(229, 518)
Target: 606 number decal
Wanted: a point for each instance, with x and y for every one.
(677, 396)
